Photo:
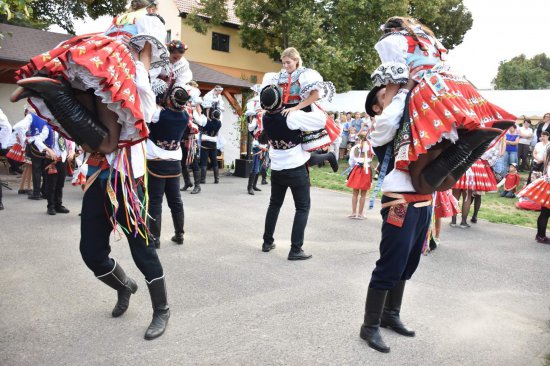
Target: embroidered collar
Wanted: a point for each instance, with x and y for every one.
(282, 77)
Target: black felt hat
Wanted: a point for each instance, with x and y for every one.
(271, 97)
(371, 98)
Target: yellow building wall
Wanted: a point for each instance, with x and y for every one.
(238, 62)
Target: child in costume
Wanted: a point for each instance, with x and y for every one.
(360, 178)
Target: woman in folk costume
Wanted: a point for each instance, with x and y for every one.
(95, 90)
(360, 178)
(174, 73)
(302, 87)
(539, 191)
(254, 113)
(448, 124)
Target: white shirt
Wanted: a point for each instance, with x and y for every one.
(387, 123)
(540, 151)
(5, 130)
(296, 156)
(20, 131)
(525, 135)
(353, 160)
(39, 139)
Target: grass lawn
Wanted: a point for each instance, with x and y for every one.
(493, 207)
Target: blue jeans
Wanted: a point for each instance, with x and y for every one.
(510, 157)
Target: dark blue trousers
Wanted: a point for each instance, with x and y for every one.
(400, 247)
(95, 231)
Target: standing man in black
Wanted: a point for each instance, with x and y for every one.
(288, 167)
(209, 138)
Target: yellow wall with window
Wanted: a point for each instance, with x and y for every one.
(238, 62)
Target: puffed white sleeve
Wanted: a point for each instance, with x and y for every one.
(151, 29)
(270, 78)
(351, 160)
(250, 108)
(183, 73)
(311, 80)
(392, 50)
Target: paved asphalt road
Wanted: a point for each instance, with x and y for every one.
(481, 299)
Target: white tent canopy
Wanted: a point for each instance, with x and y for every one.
(529, 103)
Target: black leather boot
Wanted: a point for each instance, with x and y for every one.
(79, 123)
(264, 177)
(454, 156)
(255, 183)
(161, 311)
(370, 330)
(216, 169)
(186, 178)
(124, 285)
(155, 223)
(470, 160)
(203, 175)
(390, 315)
(197, 178)
(178, 220)
(333, 161)
(250, 183)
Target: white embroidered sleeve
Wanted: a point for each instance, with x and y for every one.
(393, 53)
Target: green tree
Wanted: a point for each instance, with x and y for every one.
(336, 37)
(521, 73)
(43, 13)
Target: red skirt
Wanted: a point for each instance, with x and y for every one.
(479, 177)
(16, 153)
(96, 62)
(445, 205)
(434, 118)
(359, 178)
(538, 191)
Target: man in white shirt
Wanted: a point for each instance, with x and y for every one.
(288, 166)
(524, 146)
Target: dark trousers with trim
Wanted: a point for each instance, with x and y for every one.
(400, 247)
(297, 180)
(96, 228)
(55, 184)
(38, 172)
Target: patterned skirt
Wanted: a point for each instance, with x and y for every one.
(479, 177)
(96, 62)
(359, 178)
(434, 118)
(16, 153)
(538, 191)
(445, 205)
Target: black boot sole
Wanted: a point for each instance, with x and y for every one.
(372, 344)
(403, 332)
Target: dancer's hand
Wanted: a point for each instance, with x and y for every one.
(50, 154)
(412, 73)
(286, 111)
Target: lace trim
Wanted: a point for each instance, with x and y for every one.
(159, 86)
(160, 52)
(326, 90)
(391, 73)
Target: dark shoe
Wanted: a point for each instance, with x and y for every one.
(62, 209)
(161, 311)
(124, 285)
(43, 196)
(79, 123)
(186, 186)
(433, 244)
(392, 307)
(473, 220)
(51, 211)
(298, 256)
(196, 190)
(24, 191)
(333, 161)
(34, 197)
(178, 220)
(1, 206)
(216, 180)
(267, 247)
(203, 176)
(249, 188)
(542, 239)
(464, 225)
(370, 330)
(250, 191)
(255, 183)
(264, 181)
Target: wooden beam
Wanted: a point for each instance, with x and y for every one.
(233, 102)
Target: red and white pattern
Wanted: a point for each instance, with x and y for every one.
(479, 178)
(538, 191)
(16, 153)
(360, 178)
(436, 117)
(445, 204)
(98, 62)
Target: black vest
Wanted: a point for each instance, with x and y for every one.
(168, 131)
(280, 136)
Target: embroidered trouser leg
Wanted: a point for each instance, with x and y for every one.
(95, 232)
(400, 247)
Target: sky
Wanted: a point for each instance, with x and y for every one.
(502, 29)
